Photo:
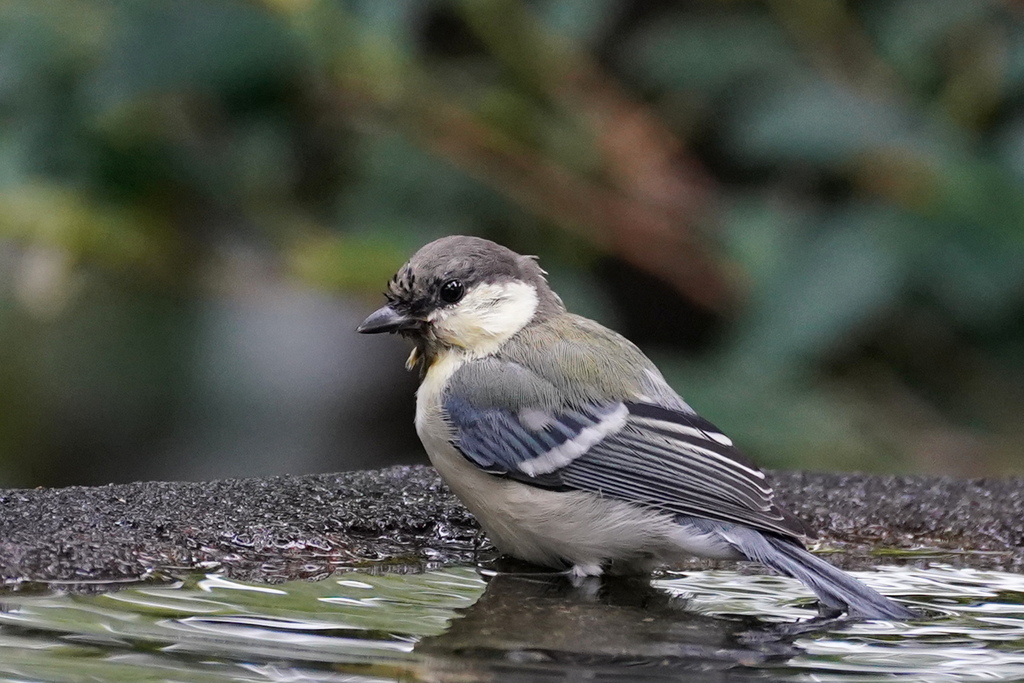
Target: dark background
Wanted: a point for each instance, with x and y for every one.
(809, 212)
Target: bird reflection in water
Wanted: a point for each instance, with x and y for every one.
(544, 626)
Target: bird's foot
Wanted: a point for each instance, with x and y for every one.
(581, 571)
(585, 576)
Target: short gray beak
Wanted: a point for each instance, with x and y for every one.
(386, 319)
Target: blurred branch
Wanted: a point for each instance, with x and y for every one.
(651, 237)
(973, 91)
(834, 40)
(657, 196)
(644, 202)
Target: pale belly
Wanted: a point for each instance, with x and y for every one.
(564, 528)
(553, 528)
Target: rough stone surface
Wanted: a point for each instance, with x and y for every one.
(305, 527)
(980, 520)
(270, 529)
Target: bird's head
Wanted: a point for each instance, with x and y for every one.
(463, 293)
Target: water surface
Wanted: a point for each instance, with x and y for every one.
(461, 624)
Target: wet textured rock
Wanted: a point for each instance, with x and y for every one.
(980, 520)
(305, 527)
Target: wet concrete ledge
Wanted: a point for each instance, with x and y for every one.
(306, 527)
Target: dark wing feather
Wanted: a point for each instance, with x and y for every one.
(637, 452)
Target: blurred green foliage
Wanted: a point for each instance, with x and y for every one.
(810, 211)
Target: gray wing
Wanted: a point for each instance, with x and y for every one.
(657, 456)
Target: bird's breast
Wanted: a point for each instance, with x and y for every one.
(429, 419)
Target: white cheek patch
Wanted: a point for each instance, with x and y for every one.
(486, 317)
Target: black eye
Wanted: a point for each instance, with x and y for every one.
(452, 291)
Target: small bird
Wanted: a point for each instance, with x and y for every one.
(566, 442)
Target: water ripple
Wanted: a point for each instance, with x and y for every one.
(371, 626)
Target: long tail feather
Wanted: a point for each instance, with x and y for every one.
(833, 587)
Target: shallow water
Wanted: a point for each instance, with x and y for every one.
(460, 624)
